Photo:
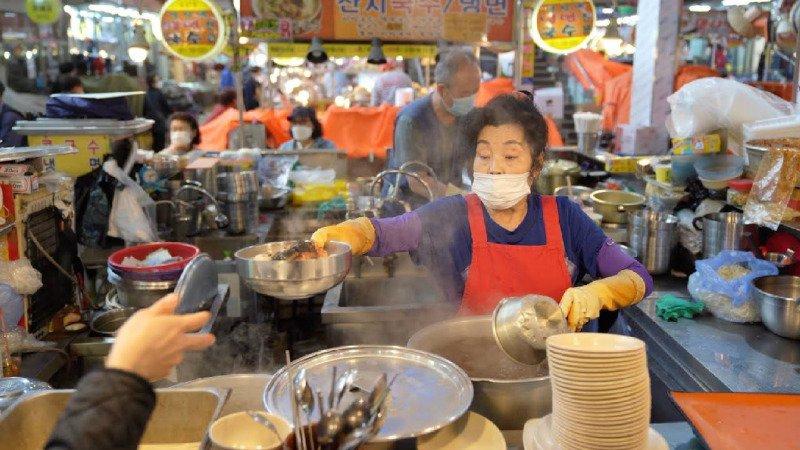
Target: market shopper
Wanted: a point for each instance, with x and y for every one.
(251, 87)
(184, 135)
(156, 108)
(306, 131)
(425, 129)
(111, 407)
(387, 84)
(8, 118)
(503, 240)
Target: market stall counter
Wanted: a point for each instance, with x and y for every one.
(709, 354)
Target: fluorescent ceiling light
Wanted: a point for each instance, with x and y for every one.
(742, 2)
(602, 22)
(700, 8)
(607, 10)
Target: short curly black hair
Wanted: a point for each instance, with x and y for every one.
(188, 119)
(503, 110)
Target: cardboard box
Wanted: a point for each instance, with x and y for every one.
(21, 184)
(14, 169)
(710, 143)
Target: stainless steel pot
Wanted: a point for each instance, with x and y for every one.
(238, 186)
(506, 392)
(721, 231)
(547, 183)
(615, 206)
(778, 297)
(139, 294)
(652, 237)
(108, 322)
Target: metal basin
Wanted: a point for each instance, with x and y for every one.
(382, 310)
(180, 416)
(247, 390)
(293, 280)
(506, 392)
(779, 299)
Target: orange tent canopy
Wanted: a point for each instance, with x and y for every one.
(361, 130)
(617, 95)
(492, 88)
(214, 134)
(593, 70)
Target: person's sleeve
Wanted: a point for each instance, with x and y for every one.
(408, 144)
(611, 260)
(396, 234)
(109, 410)
(585, 237)
(10, 138)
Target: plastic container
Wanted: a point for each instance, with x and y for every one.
(719, 167)
(683, 168)
(185, 251)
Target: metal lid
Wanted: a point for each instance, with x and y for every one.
(429, 393)
(197, 286)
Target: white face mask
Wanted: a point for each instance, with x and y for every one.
(501, 191)
(302, 132)
(181, 138)
(462, 106)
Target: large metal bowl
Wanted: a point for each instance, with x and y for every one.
(293, 280)
(506, 392)
(779, 299)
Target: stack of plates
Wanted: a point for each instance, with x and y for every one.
(601, 391)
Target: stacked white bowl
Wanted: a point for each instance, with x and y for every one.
(601, 391)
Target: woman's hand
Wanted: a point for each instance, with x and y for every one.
(359, 234)
(582, 304)
(154, 339)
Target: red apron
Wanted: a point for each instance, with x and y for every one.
(501, 270)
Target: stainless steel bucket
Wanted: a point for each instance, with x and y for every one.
(503, 398)
(139, 294)
(721, 231)
(652, 238)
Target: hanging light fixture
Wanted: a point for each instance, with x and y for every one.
(138, 48)
(376, 55)
(316, 53)
(611, 42)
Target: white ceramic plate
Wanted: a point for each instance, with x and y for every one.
(471, 432)
(595, 343)
(537, 435)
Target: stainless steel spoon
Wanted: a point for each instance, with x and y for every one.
(258, 417)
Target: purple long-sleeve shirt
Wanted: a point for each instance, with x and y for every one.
(439, 234)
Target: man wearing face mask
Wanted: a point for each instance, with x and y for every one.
(503, 240)
(306, 131)
(425, 129)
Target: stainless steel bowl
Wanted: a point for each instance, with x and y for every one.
(293, 280)
(778, 296)
(580, 194)
(139, 294)
(521, 326)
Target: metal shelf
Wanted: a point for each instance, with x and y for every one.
(19, 153)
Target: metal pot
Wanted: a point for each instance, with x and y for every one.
(547, 182)
(501, 397)
(238, 186)
(615, 206)
(139, 294)
(721, 231)
(108, 322)
(778, 297)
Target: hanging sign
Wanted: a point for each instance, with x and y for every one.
(343, 50)
(468, 21)
(562, 26)
(192, 30)
(43, 12)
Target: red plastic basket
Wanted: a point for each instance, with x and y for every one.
(185, 251)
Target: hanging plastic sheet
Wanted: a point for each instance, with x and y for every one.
(773, 185)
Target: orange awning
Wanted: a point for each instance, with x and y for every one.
(360, 130)
(593, 70)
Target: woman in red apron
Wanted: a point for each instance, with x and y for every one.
(503, 240)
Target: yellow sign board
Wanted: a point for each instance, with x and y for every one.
(562, 26)
(193, 30)
(299, 50)
(91, 149)
(465, 27)
(43, 12)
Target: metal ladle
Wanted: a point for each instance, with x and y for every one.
(521, 326)
(258, 417)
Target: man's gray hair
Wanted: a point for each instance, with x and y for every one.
(450, 63)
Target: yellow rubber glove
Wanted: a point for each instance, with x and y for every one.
(582, 304)
(358, 233)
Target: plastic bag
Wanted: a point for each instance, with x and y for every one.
(21, 276)
(11, 305)
(313, 176)
(709, 104)
(274, 170)
(772, 189)
(133, 211)
(729, 299)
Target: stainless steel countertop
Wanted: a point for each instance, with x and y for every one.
(719, 354)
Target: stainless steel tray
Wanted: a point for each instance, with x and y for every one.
(429, 393)
(110, 127)
(20, 153)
